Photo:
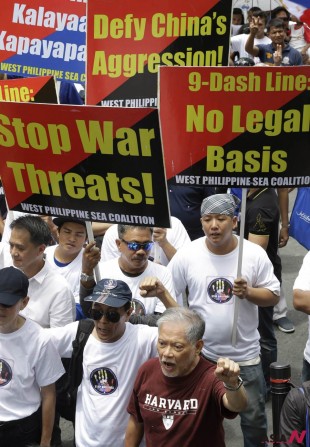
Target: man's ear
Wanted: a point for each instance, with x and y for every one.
(42, 248)
(24, 302)
(118, 243)
(129, 312)
(199, 346)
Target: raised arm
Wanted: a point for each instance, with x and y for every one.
(249, 45)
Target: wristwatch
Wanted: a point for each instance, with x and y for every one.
(84, 277)
(231, 388)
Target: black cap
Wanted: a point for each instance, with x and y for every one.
(13, 285)
(59, 221)
(111, 292)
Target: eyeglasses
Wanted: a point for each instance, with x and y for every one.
(111, 315)
(135, 246)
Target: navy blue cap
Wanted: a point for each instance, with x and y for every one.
(111, 292)
(13, 286)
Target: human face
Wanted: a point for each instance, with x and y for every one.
(276, 35)
(237, 19)
(218, 229)
(134, 261)
(105, 330)
(25, 255)
(72, 237)
(177, 356)
(9, 318)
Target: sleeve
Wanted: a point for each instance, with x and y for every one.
(176, 267)
(49, 367)
(260, 221)
(293, 415)
(62, 338)
(302, 281)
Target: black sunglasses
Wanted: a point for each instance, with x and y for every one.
(135, 246)
(110, 315)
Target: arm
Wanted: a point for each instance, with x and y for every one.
(301, 300)
(91, 257)
(160, 236)
(48, 395)
(293, 414)
(249, 45)
(256, 295)
(261, 240)
(99, 228)
(134, 433)
(283, 205)
(151, 287)
(228, 371)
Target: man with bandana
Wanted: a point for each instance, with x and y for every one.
(207, 267)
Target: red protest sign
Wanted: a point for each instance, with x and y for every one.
(99, 164)
(40, 89)
(235, 126)
(43, 38)
(127, 44)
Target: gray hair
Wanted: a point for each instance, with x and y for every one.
(193, 320)
(122, 229)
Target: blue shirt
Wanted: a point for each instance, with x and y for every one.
(290, 56)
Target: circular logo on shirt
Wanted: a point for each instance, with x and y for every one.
(5, 373)
(220, 290)
(104, 381)
(138, 307)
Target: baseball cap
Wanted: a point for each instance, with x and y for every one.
(220, 204)
(111, 292)
(13, 285)
(59, 221)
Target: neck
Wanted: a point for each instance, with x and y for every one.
(126, 268)
(64, 257)
(13, 326)
(34, 269)
(223, 249)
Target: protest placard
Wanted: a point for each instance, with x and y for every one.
(126, 44)
(39, 89)
(236, 126)
(43, 38)
(98, 164)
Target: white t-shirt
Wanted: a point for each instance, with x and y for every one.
(210, 281)
(142, 306)
(71, 272)
(51, 302)
(302, 282)
(176, 235)
(109, 371)
(297, 36)
(28, 361)
(238, 42)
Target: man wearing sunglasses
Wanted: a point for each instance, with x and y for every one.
(112, 355)
(134, 244)
(29, 368)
